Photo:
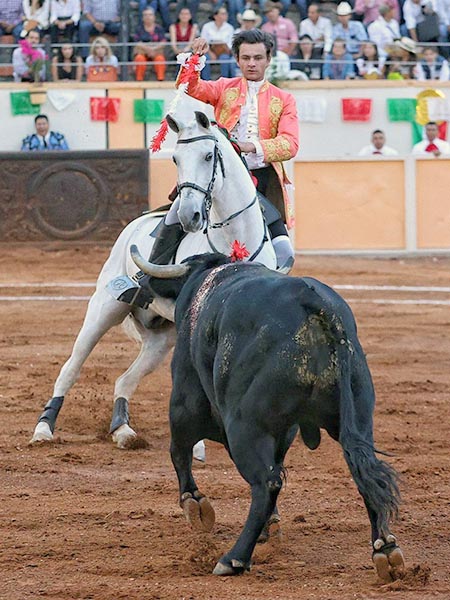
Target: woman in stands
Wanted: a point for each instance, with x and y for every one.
(150, 48)
(66, 65)
(369, 65)
(183, 32)
(101, 55)
(37, 14)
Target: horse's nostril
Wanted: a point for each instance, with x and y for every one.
(196, 217)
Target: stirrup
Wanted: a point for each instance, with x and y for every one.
(127, 289)
(287, 267)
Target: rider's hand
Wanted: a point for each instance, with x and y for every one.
(200, 46)
(247, 147)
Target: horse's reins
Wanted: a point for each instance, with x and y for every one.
(217, 159)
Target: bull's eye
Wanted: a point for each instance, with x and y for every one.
(174, 159)
(209, 156)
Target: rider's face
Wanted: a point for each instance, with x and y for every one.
(253, 61)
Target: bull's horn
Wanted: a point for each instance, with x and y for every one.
(158, 271)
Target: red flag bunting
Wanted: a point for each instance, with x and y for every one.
(356, 109)
(105, 109)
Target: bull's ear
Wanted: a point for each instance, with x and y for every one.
(174, 126)
(202, 119)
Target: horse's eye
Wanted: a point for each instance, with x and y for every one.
(209, 156)
(174, 159)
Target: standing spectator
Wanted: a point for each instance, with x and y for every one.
(432, 145)
(161, 6)
(378, 146)
(64, 17)
(385, 30)
(352, 32)
(281, 28)
(339, 63)
(37, 13)
(183, 32)
(369, 65)
(318, 28)
(432, 66)
(101, 55)
(150, 48)
(44, 139)
(66, 65)
(219, 35)
(100, 16)
(401, 60)
(11, 22)
(308, 60)
(369, 10)
(21, 60)
(248, 20)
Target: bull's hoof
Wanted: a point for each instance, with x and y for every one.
(234, 567)
(388, 559)
(42, 433)
(199, 512)
(123, 436)
(271, 530)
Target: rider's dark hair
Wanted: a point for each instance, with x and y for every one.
(254, 36)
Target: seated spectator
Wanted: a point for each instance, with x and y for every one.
(101, 55)
(444, 27)
(369, 10)
(192, 5)
(219, 35)
(150, 47)
(401, 59)
(308, 58)
(234, 8)
(161, 6)
(318, 28)
(67, 65)
(64, 17)
(248, 20)
(22, 61)
(414, 13)
(352, 32)
(37, 13)
(183, 32)
(369, 65)
(378, 146)
(44, 139)
(281, 28)
(385, 30)
(432, 145)
(339, 63)
(432, 66)
(99, 16)
(11, 22)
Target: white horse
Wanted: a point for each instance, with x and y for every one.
(217, 206)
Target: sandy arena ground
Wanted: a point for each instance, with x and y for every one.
(83, 519)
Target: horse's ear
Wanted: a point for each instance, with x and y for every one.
(202, 119)
(174, 126)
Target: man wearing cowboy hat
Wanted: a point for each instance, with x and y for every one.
(281, 28)
(352, 32)
(248, 20)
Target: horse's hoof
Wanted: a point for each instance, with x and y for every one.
(199, 513)
(123, 435)
(42, 433)
(388, 560)
(237, 567)
(199, 451)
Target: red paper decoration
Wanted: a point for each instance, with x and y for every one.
(356, 109)
(105, 109)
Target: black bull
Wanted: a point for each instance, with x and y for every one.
(259, 355)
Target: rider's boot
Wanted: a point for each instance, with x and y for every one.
(284, 253)
(132, 290)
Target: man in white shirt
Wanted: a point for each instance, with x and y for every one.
(378, 146)
(432, 145)
(319, 29)
(384, 30)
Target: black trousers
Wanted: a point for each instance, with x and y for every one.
(269, 186)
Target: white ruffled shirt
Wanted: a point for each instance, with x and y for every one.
(247, 128)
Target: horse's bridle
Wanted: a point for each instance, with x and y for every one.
(207, 202)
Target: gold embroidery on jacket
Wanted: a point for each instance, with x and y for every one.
(230, 97)
(276, 149)
(275, 110)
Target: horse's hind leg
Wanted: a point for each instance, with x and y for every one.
(103, 313)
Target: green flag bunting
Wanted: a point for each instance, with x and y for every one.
(21, 104)
(401, 109)
(148, 111)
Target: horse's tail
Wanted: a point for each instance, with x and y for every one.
(376, 480)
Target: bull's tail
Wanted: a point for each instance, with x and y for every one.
(377, 481)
